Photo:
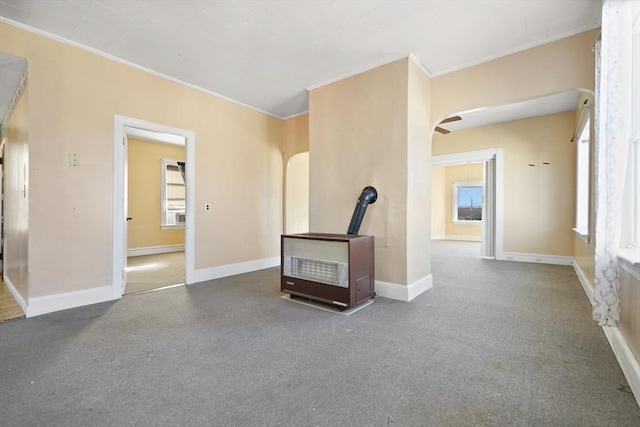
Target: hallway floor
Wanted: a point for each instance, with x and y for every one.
(9, 308)
(151, 272)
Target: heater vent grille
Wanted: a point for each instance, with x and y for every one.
(330, 273)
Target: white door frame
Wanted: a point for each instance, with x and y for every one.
(490, 154)
(123, 126)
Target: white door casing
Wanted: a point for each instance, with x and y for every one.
(124, 126)
(493, 221)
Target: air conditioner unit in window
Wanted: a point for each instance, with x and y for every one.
(175, 218)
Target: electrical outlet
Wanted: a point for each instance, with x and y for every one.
(207, 207)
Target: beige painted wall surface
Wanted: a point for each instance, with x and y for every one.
(145, 194)
(297, 194)
(16, 198)
(73, 96)
(558, 66)
(295, 136)
(438, 200)
(460, 173)
(358, 137)
(418, 174)
(629, 311)
(295, 155)
(538, 201)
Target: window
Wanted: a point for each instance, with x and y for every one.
(583, 149)
(173, 195)
(631, 217)
(467, 202)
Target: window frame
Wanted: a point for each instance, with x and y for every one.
(584, 167)
(165, 163)
(629, 249)
(454, 202)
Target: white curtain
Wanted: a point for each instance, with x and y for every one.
(613, 113)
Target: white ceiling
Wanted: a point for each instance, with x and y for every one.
(266, 53)
(557, 103)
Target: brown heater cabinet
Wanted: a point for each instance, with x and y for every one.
(332, 268)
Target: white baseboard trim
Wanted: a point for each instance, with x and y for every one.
(539, 259)
(204, 274)
(626, 359)
(584, 282)
(438, 237)
(462, 238)
(154, 250)
(50, 303)
(404, 292)
(16, 295)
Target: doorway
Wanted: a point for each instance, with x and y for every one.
(156, 211)
(126, 129)
(491, 236)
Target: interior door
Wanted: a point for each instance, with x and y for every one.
(125, 212)
(487, 245)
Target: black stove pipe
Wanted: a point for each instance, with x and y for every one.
(182, 167)
(368, 196)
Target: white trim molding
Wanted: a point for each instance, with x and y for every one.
(584, 281)
(629, 264)
(462, 238)
(538, 259)
(211, 273)
(154, 250)
(404, 292)
(50, 303)
(628, 363)
(486, 155)
(130, 64)
(123, 126)
(465, 157)
(410, 57)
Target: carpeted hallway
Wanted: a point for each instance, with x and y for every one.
(149, 272)
(491, 344)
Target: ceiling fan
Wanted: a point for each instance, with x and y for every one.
(447, 120)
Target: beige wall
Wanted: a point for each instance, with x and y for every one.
(297, 194)
(295, 136)
(355, 142)
(438, 201)
(418, 174)
(538, 201)
(16, 174)
(295, 155)
(629, 310)
(460, 173)
(144, 205)
(558, 66)
(73, 96)
(442, 179)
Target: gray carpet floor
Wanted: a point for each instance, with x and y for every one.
(491, 344)
(149, 272)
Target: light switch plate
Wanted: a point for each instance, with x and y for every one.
(74, 159)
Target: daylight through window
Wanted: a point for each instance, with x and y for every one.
(582, 180)
(173, 194)
(467, 201)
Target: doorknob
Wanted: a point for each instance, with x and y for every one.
(129, 218)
